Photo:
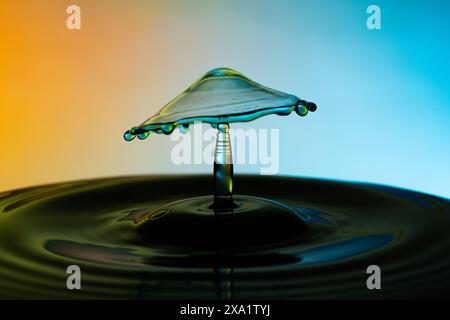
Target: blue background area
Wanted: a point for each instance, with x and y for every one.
(383, 95)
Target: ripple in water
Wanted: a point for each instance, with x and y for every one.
(130, 244)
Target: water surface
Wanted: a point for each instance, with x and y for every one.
(128, 247)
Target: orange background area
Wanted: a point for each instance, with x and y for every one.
(67, 96)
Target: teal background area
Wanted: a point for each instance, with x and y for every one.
(382, 95)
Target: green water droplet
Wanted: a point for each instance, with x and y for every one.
(167, 128)
(301, 110)
(143, 135)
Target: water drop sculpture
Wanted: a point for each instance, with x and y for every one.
(220, 97)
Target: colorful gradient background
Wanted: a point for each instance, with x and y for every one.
(66, 97)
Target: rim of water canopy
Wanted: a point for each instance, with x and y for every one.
(285, 105)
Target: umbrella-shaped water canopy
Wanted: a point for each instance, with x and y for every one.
(222, 95)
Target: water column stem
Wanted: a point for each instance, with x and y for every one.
(223, 170)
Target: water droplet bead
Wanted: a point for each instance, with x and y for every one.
(167, 128)
(143, 135)
(128, 136)
(184, 128)
(301, 110)
(311, 106)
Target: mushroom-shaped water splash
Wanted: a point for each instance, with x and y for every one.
(220, 97)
